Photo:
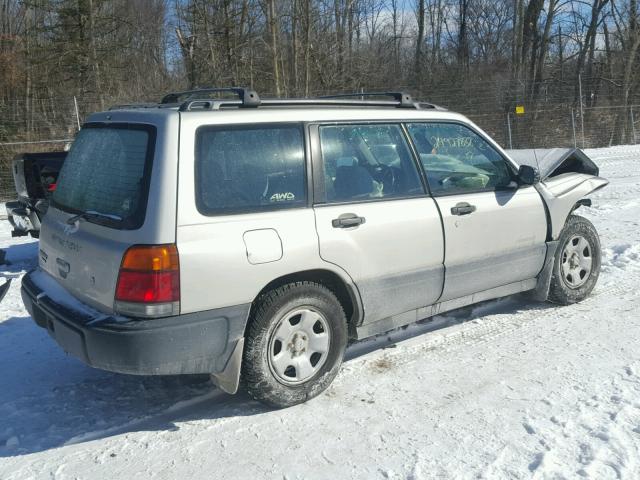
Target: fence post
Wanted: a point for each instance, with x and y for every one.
(509, 130)
(75, 104)
(573, 127)
(633, 125)
(581, 108)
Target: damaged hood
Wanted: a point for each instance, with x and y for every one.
(567, 176)
(552, 162)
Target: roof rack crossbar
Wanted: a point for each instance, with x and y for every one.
(403, 98)
(248, 97)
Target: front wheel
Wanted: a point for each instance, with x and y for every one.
(577, 262)
(294, 344)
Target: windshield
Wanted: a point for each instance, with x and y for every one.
(106, 173)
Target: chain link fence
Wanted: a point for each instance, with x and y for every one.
(556, 126)
(563, 127)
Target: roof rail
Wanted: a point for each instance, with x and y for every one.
(217, 104)
(248, 97)
(198, 100)
(403, 98)
(127, 106)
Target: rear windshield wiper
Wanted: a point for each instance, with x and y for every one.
(93, 214)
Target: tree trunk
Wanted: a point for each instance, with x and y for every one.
(273, 32)
(307, 47)
(419, 41)
(294, 45)
(596, 10)
(94, 56)
(187, 46)
(463, 36)
(538, 76)
(516, 48)
(531, 38)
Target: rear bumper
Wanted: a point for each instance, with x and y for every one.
(202, 342)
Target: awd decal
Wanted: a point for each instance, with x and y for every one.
(282, 197)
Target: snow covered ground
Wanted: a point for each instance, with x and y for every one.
(507, 389)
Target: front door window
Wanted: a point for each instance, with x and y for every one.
(458, 160)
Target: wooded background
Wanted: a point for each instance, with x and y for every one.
(572, 65)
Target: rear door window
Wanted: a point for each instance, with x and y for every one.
(107, 173)
(249, 168)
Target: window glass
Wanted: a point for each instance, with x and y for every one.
(104, 172)
(367, 162)
(458, 160)
(240, 169)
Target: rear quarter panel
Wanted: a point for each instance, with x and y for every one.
(223, 260)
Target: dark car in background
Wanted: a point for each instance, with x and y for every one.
(35, 176)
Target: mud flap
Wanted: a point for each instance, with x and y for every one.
(4, 288)
(541, 292)
(229, 379)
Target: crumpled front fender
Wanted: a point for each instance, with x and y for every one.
(561, 193)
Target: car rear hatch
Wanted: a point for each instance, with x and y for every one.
(117, 188)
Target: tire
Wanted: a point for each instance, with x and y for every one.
(288, 327)
(578, 247)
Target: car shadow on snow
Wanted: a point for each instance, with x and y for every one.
(49, 399)
(19, 258)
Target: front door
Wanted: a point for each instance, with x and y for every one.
(374, 219)
(494, 230)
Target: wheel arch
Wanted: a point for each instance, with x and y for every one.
(563, 194)
(345, 291)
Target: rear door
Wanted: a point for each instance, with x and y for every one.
(374, 219)
(495, 231)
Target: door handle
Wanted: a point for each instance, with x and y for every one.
(347, 220)
(463, 208)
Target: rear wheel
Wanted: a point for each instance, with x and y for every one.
(577, 262)
(294, 344)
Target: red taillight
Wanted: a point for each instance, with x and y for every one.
(52, 187)
(148, 287)
(149, 281)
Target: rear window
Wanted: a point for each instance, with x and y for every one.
(249, 168)
(107, 172)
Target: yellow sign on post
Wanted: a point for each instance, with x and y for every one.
(519, 109)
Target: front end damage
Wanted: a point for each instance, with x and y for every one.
(567, 176)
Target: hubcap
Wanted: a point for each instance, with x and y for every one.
(299, 345)
(576, 261)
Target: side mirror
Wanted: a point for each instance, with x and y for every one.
(528, 175)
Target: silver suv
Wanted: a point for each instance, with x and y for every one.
(253, 239)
